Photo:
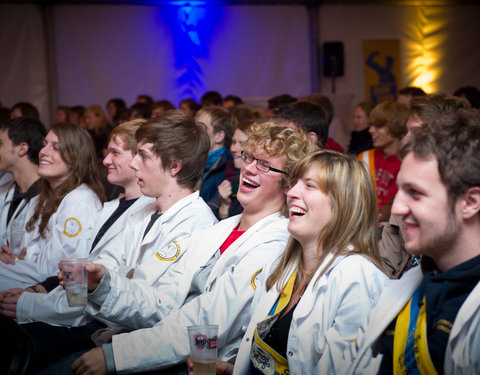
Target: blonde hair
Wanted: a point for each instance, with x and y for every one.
(278, 140)
(126, 132)
(352, 229)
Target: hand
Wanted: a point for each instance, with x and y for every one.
(8, 302)
(6, 255)
(225, 192)
(22, 254)
(91, 362)
(221, 368)
(95, 274)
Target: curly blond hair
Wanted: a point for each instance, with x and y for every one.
(278, 140)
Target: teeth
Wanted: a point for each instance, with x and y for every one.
(247, 181)
(297, 210)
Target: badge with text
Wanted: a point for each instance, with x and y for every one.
(72, 227)
(171, 252)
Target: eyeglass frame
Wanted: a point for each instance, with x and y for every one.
(245, 156)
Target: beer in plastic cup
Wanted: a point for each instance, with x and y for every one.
(203, 348)
(75, 281)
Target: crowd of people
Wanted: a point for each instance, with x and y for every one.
(310, 260)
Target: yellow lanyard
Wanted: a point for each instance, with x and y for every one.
(263, 358)
(410, 347)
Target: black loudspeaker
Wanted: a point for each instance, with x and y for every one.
(332, 59)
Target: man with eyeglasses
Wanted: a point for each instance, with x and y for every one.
(261, 165)
(224, 265)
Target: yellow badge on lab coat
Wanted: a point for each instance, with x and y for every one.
(255, 279)
(171, 252)
(72, 227)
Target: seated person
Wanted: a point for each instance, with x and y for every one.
(220, 125)
(172, 151)
(327, 280)
(114, 106)
(160, 107)
(327, 105)
(360, 137)
(223, 266)
(20, 141)
(428, 320)
(225, 203)
(24, 109)
(426, 108)
(61, 220)
(62, 114)
(406, 94)
(307, 116)
(111, 221)
(388, 126)
(189, 106)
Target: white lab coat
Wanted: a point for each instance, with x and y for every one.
(70, 228)
(6, 179)
(461, 355)
(53, 307)
(227, 299)
(163, 247)
(326, 319)
(14, 232)
(6, 195)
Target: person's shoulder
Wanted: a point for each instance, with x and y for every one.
(357, 264)
(82, 194)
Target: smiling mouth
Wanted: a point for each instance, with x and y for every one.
(250, 184)
(297, 211)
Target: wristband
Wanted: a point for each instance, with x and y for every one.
(33, 289)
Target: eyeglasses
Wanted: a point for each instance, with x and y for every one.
(261, 165)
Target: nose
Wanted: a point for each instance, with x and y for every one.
(399, 206)
(371, 130)
(43, 151)
(251, 168)
(108, 160)
(293, 192)
(134, 163)
(235, 148)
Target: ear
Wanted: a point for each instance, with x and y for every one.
(219, 137)
(470, 205)
(314, 136)
(23, 148)
(175, 167)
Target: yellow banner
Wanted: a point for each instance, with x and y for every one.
(382, 69)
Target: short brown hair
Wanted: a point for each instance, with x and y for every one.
(429, 107)
(221, 120)
(391, 115)
(454, 140)
(176, 136)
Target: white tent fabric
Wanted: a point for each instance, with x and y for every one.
(23, 63)
(174, 52)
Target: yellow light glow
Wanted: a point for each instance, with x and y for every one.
(424, 51)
